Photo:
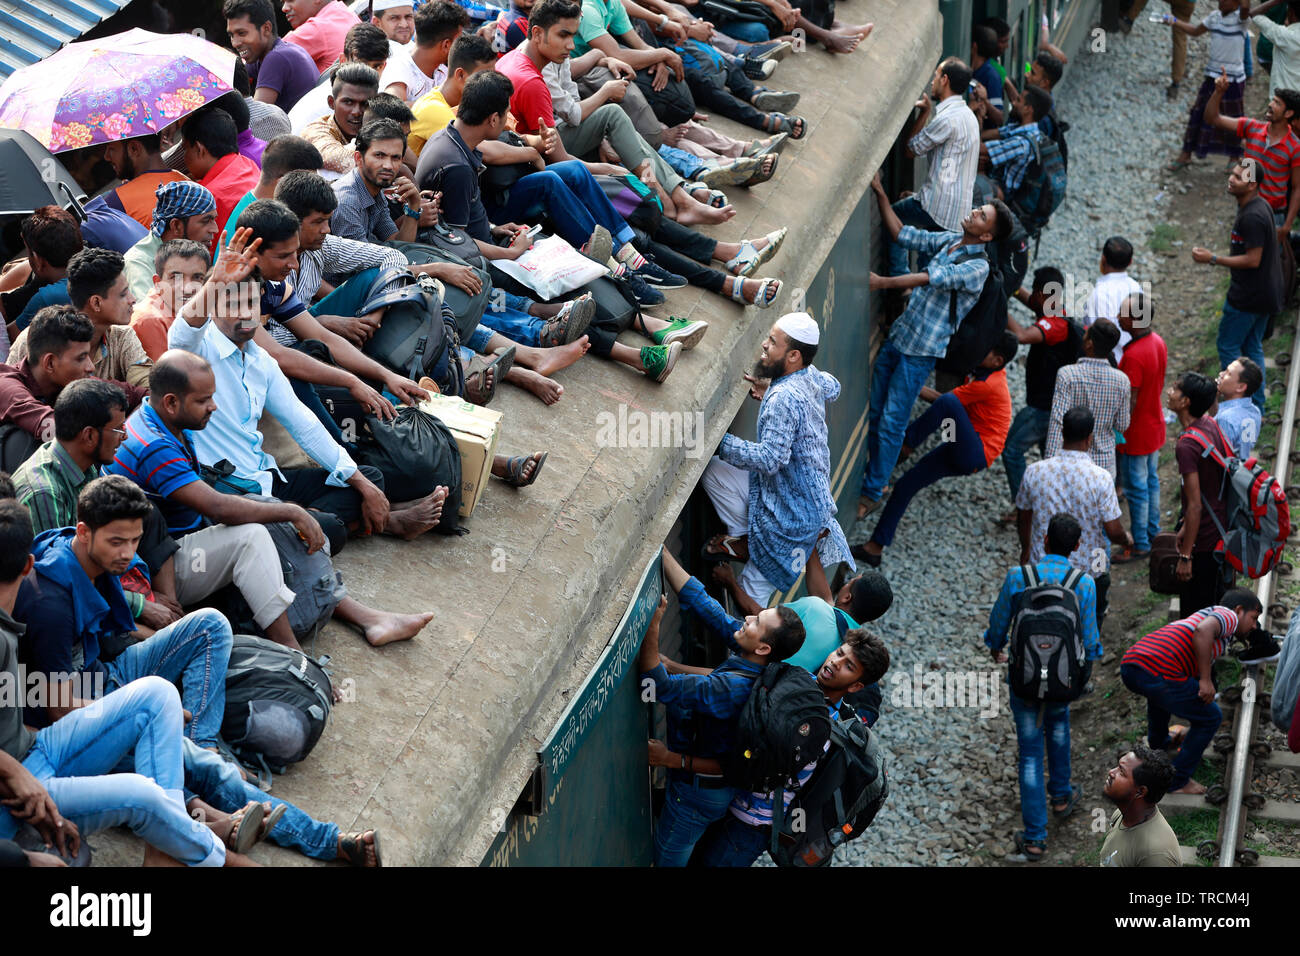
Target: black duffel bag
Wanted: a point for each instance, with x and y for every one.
(416, 453)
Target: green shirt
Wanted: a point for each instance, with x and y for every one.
(599, 16)
(821, 632)
(139, 263)
(243, 204)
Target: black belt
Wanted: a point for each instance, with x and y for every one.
(702, 781)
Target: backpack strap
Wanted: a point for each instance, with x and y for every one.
(952, 296)
(1031, 576)
(1072, 578)
(841, 623)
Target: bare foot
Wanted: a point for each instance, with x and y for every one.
(673, 134)
(840, 43)
(419, 517)
(691, 212)
(389, 627)
(561, 357)
(547, 389)
(1191, 787)
(862, 30)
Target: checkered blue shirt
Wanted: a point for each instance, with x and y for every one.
(925, 326)
(1010, 154)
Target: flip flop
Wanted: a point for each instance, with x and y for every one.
(726, 549)
(271, 819)
(515, 470)
(353, 850)
(502, 363)
(247, 830)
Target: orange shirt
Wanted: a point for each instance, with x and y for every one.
(151, 320)
(988, 403)
(137, 197)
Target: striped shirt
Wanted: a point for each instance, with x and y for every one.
(48, 484)
(1227, 45)
(1276, 161)
(1105, 391)
(1169, 652)
(951, 140)
(338, 257)
(160, 463)
(925, 326)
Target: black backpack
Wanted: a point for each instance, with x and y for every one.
(16, 446)
(1042, 189)
(1012, 256)
(838, 802)
(1058, 138)
(979, 329)
(1047, 661)
(418, 335)
(782, 727)
(278, 701)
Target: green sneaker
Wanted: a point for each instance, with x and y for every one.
(681, 330)
(658, 360)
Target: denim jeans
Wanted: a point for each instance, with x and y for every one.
(747, 31)
(1035, 727)
(570, 197)
(74, 757)
(688, 811)
(1140, 476)
(515, 325)
(896, 381)
(1166, 698)
(1242, 333)
(682, 162)
(1028, 428)
(216, 781)
(964, 455)
(910, 212)
(732, 842)
(195, 650)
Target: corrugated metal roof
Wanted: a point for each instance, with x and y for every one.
(30, 30)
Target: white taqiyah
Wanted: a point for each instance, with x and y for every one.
(800, 326)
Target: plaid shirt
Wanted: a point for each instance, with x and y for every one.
(925, 326)
(48, 484)
(1011, 152)
(1051, 569)
(1104, 390)
(361, 216)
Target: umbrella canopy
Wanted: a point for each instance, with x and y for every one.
(31, 175)
(101, 91)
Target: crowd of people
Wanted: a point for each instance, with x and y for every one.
(186, 366)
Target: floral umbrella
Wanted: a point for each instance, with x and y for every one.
(101, 91)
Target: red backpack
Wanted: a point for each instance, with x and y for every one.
(1259, 518)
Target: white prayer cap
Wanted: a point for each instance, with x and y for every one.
(800, 326)
(382, 5)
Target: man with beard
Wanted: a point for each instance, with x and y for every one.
(363, 212)
(1139, 834)
(158, 455)
(776, 491)
(139, 164)
(350, 89)
(951, 141)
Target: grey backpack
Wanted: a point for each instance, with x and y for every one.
(1286, 682)
(1047, 657)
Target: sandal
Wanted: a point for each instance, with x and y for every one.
(750, 258)
(726, 547)
(1023, 847)
(271, 819)
(515, 469)
(503, 362)
(764, 298)
(716, 198)
(247, 829)
(766, 170)
(1070, 804)
(796, 126)
(352, 849)
(1177, 166)
(770, 144)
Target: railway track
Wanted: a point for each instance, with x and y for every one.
(1243, 748)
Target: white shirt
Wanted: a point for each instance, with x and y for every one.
(1110, 292)
(1227, 44)
(402, 69)
(248, 381)
(1286, 53)
(952, 141)
(314, 104)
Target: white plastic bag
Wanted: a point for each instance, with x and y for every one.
(551, 268)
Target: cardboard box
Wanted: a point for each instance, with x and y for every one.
(476, 430)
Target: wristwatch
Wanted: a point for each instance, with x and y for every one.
(1184, 557)
(408, 211)
(1214, 259)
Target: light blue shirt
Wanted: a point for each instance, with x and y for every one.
(1239, 420)
(248, 381)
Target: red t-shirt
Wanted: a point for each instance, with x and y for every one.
(230, 178)
(1144, 363)
(531, 98)
(1275, 162)
(988, 403)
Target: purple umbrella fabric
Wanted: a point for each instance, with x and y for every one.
(101, 91)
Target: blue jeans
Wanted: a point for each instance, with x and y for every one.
(732, 842)
(215, 781)
(348, 297)
(964, 455)
(1166, 698)
(682, 162)
(567, 193)
(1140, 476)
(74, 757)
(895, 382)
(194, 650)
(1242, 333)
(517, 302)
(1032, 731)
(513, 324)
(688, 811)
(1029, 428)
(910, 212)
(747, 31)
